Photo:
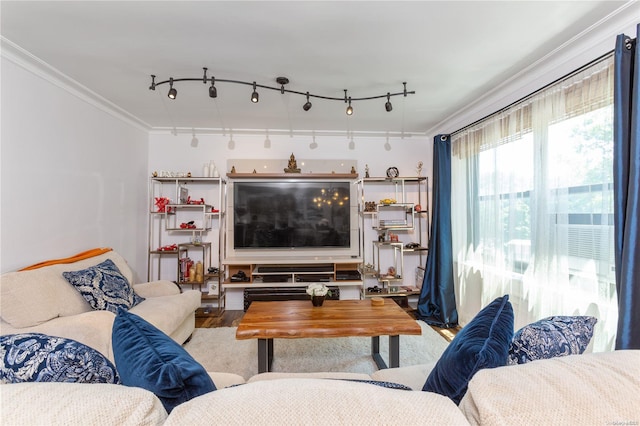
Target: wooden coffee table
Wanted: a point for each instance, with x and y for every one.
(297, 319)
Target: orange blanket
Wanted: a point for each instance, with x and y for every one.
(80, 256)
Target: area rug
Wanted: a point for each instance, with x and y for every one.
(218, 350)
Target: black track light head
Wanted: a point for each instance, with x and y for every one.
(307, 106)
(254, 96)
(172, 91)
(388, 105)
(213, 92)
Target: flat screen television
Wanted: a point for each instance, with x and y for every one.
(305, 215)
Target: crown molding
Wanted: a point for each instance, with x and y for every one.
(38, 67)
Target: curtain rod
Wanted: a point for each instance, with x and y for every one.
(524, 98)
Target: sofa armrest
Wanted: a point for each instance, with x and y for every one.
(156, 289)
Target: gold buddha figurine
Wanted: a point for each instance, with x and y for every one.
(292, 166)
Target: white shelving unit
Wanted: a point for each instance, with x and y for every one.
(186, 219)
(394, 233)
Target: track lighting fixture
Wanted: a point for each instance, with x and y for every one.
(172, 92)
(213, 92)
(307, 106)
(254, 96)
(282, 81)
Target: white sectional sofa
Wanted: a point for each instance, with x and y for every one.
(594, 388)
(42, 301)
(598, 388)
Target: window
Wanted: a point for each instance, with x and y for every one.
(532, 202)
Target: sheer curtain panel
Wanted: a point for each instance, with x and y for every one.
(532, 205)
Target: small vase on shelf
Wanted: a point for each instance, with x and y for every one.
(317, 300)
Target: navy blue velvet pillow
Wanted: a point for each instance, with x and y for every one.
(149, 359)
(36, 357)
(483, 343)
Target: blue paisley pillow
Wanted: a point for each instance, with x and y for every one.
(551, 337)
(35, 357)
(104, 287)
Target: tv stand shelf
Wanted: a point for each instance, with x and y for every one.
(264, 273)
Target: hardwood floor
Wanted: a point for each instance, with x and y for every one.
(232, 318)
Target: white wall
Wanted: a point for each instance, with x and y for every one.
(176, 153)
(73, 176)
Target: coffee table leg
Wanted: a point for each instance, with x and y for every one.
(394, 351)
(375, 352)
(265, 355)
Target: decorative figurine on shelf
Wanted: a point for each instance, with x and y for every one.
(391, 272)
(366, 170)
(419, 168)
(292, 166)
(353, 170)
(233, 169)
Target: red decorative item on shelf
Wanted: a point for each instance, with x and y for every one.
(196, 202)
(161, 203)
(188, 225)
(185, 264)
(172, 247)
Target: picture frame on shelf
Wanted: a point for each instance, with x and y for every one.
(184, 195)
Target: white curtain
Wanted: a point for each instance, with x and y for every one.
(532, 205)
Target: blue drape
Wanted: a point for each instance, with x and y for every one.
(437, 302)
(626, 180)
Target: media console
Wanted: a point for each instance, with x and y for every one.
(281, 278)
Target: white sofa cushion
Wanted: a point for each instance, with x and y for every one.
(78, 404)
(223, 380)
(29, 298)
(599, 388)
(91, 328)
(167, 312)
(315, 401)
(413, 376)
(314, 375)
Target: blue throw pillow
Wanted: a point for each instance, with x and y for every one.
(35, 357)
(551, 337)
(104, 287)
(149, 359)
(483, 343)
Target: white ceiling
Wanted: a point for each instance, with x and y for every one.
(448, 52)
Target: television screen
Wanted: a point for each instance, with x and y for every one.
(291, 214)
